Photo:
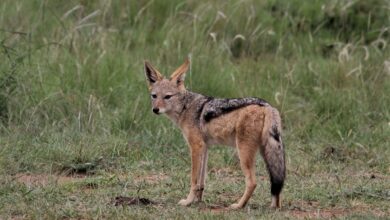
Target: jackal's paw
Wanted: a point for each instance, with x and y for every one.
(185, 202)
(274, 206)
(235, 206)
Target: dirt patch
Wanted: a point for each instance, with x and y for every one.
(309, 209)
(214, 208)
(367, 174)
(227, 174)
(377, 175)
(319, 213)
(151, 178)
(45, 179)
(126, 201)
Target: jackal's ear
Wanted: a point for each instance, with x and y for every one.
(179, 75)
(152, 74)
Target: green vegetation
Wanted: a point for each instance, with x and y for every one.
(74, 102)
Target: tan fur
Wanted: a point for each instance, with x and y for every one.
(247, 128)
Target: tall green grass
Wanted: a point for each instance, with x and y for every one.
(72, 88)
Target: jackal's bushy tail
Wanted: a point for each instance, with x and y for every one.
(274, 151)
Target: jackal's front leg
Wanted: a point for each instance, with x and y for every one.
(202, 175)
(198, 172)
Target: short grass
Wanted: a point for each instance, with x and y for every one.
(76, 129)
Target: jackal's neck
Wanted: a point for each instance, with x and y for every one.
(188, 102)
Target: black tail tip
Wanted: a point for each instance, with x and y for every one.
(276, 187)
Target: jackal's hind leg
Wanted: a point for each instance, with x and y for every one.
(247, 156)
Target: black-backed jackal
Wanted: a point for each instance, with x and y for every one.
(249, 124)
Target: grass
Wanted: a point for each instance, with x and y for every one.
(76, 129)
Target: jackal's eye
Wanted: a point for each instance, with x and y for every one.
(154, 96)
(167, 96)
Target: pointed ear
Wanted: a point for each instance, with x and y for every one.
(179, 75)
(152, 74)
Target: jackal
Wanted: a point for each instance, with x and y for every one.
(249, 124)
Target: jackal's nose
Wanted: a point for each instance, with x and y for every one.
(156, 110)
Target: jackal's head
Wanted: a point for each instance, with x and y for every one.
(166, 93)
